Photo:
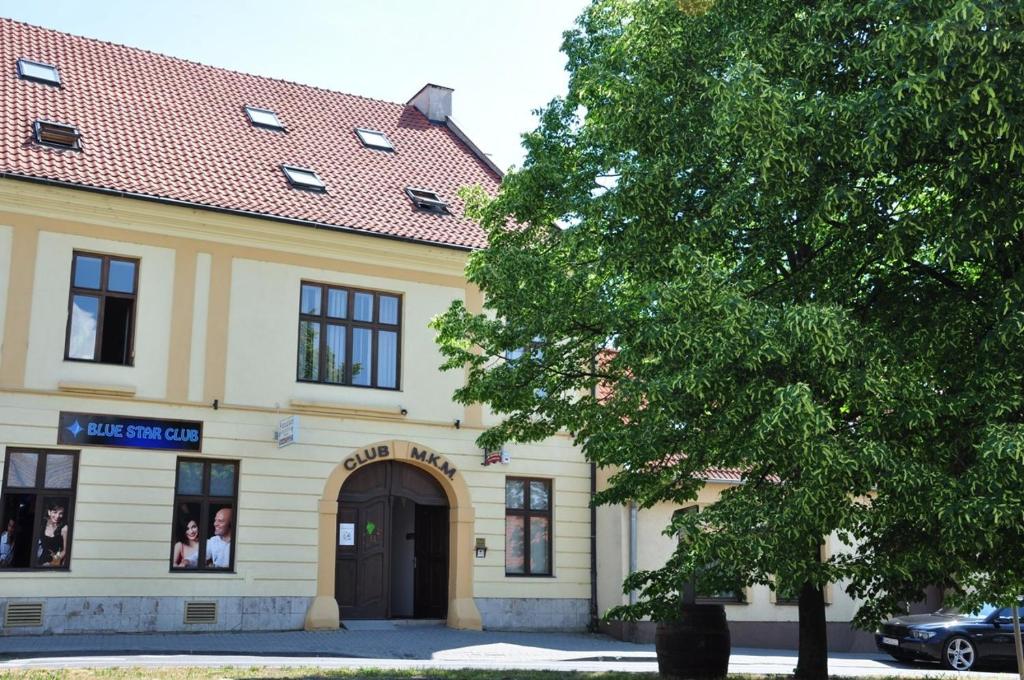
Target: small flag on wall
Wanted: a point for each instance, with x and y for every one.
(492, 457)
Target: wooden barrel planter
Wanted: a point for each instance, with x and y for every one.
(694, 646)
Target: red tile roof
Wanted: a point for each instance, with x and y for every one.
(166, 128)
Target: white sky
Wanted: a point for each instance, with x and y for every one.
(502, 58)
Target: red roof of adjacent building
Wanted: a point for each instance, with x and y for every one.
(165, 128)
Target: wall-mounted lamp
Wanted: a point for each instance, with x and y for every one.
(481, 548)
(458, 423)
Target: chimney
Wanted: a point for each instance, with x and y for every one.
(434, 102)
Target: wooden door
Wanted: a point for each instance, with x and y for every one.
(430, 580)
(362, 573)
(362, 576)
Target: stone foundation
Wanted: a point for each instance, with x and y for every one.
(527, 614)
(69, 615)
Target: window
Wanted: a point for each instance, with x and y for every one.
(263, 118)
(38, 72)
(527, 527)
(205, 500)
(719, 597)
(101, 309)
(533, 352)
(301, 178)
(427, 200)
(38, 508)
(349, 336)
(374, 139)
(57, 134)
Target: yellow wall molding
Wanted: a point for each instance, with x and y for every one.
(53, 206)
(331, 409)
(95, 390)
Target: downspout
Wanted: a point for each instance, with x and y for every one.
(632, 548)
(593, 525)
(593, 549)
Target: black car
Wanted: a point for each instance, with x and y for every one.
(956, 640)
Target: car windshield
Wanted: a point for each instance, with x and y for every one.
(982, 613)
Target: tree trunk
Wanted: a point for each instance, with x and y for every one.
(812, 659)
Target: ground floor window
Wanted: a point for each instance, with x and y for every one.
(205, 504)
(38, 501)
(527, 527)
(717, 597)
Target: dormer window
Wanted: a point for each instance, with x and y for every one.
(38, 72)
(374, 139)
(426, 200)
(303, 178)
(57, 134)
(264, 118)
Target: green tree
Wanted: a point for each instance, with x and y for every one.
(782, 237)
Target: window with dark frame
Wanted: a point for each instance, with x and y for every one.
(263, 118)
(349, 336)
(57, 134)
(374, 139)
(427, 200)
(303, 178)
(205, 515)
(527, 527)
(101, 309)
(720, 597)
(38, 501)
(38, 72)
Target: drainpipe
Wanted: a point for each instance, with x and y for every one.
(593, 524)
(632, 548)
(593, 549)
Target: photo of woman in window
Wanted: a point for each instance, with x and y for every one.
(51, 550)
(186, 550)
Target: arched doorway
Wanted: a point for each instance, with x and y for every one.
(323, 612)
(392, 559)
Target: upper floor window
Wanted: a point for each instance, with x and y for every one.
(38, 72)
(264, 118)
(101, 309)
(349, 336)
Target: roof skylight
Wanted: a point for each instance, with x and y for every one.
(427, 200)
(263, 118)
(38, 72)
(303, 178)
(374, 139)
(57, 134)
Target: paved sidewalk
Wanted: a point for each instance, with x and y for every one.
(401, 646)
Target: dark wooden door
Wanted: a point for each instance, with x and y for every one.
(430, 586)
(362, 573)
(362, 576)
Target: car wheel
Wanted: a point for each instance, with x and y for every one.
(959, 654)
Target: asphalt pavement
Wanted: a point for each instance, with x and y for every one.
(390, 646)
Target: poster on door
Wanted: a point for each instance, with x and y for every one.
(346, 533)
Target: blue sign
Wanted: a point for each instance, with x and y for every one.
(94, 429)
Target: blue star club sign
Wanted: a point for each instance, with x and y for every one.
(94, 429)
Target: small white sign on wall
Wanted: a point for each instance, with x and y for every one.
(287, 431)
(346, 533)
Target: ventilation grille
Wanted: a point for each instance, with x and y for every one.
(200, 612)
(23, 614)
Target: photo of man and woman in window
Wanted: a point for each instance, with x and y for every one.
(190, 550)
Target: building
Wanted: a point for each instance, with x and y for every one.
(220, 403)
(632, 539)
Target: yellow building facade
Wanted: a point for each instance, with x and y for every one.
(215, 340)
